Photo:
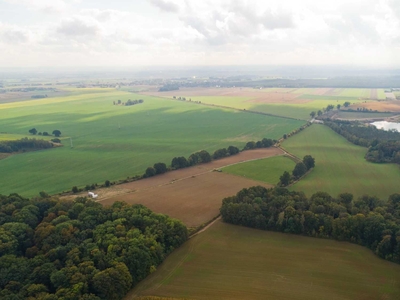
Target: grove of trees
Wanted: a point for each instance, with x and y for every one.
(299, 170)
(23, 144)
(367, 221)
(58, 249)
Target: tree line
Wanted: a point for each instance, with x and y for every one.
(204, 156)
(367, 221)
(128, 103)
(300, 169)
(180, 162)
(57, 249)
(55, 132)
(384, 146)
(23, 144)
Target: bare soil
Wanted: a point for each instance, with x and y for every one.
(373, 94)
(192, 195)
(194, 200)
(382, 106)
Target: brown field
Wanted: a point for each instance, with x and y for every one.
(192, 195)
(382, 106)
(194, 200)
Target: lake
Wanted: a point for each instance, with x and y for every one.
(387, 125)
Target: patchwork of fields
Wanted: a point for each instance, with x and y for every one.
(287, 102)
(340, 165)
(112, 142)
(181, 193)
(233, 262)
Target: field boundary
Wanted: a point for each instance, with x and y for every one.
(232, 108)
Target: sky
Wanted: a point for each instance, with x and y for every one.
(104, 33)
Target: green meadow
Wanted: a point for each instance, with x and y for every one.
(234, 262)
(340, 165)
(113, 142)
(267, 170)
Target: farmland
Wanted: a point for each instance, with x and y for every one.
(233, 262)
(349, 115)
(266, 170)
(112, 142)
(340, 165)
(180, 193)
(293, 103)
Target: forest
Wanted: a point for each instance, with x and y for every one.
(58, 249)
(367, 221)
(23, 144)
(384, 146)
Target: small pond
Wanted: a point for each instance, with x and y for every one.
(387, 125)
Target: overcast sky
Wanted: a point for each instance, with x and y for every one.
(194, 32)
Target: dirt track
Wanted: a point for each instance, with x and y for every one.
(192, 195)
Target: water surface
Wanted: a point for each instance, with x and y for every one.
(387, 125)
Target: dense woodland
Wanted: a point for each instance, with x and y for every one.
(384, 146)
(23, 144)
(367, 221)
(55, 249)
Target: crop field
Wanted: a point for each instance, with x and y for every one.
(194, 200)
(340, 165)
(233, 262)
(112, 142)
(350, 115)
(266, 170)
(393, 106)
(180, 193)
(293, 103)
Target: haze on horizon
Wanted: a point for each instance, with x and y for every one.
(88, 33)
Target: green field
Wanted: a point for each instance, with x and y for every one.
(311, 102)
(233, 262)
(340, 165)
(113, 142)
(267, 170)
(356, 93)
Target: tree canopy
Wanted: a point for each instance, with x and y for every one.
(58, 249)
(367, 221)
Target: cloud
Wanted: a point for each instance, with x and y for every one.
(105, 15)
(165, 5)
(13, 35)
(236, 22)
(46, 6)
(78, 27)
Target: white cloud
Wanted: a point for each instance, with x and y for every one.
(13, 35)
(217, 32)
(78, 26)
(46, 6)
(164, 5)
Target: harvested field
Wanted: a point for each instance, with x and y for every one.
(235, 262)
(373, 94)
(382, 106)
(181, 193)
(194, 200)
